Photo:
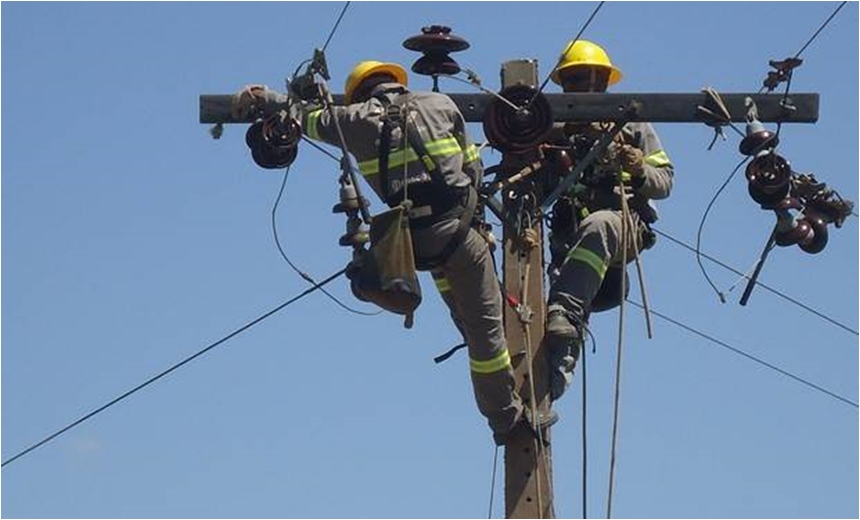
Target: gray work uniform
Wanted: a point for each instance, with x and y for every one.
(596, 244)
(466, 280)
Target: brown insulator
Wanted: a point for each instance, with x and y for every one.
(799, 233)
(758, 138)
(818, 241)
(517, 130)
(436, 43)
(769, 177)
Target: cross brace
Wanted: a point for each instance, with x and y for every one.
(656, 108)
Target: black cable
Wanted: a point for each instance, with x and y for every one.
(174, 367)
(584, 437)
(336, 24)
(749, 356)
(561, 58)
(758, 283)
(702, 225)
(493, 480)
(305, 276)
(820, 29)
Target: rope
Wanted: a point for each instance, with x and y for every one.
(538, 441)
(174, 367)
(617, 401)
(306, 277)
(751, 357)
(758, 283)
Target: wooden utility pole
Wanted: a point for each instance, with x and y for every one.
(528, 461)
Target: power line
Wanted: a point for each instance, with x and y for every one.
(305, 276)
(749, 356)
(820, 29)
(336, 24)
(174, 367)
(758, 283)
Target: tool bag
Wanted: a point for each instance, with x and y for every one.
(385, 274)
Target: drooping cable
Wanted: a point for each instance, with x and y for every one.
(174, 367)
(758, 283)
(702, 226)
(751, 357)
(305, 276)
(584, 435)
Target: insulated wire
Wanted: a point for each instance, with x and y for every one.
(820, 29)
(493, 480)
(561, 58)
(336, 24)
(750, 356)
(175, 366)
(305, 276)
(702, 226)
(760, 284)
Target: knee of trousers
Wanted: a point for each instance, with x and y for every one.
(601, 230)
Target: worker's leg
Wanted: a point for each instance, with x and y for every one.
(597, 247)
(471, 290)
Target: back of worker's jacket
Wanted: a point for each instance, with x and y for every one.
(436, 119)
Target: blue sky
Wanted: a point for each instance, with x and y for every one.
(132, 240)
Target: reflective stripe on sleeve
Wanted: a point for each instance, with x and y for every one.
(311, 124)
(657, 159)
(498, 363)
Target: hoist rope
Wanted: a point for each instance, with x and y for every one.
(625, 231)
(174, 367)
(561, 58)
(758, 283)
(305, 276)
(524, 272)
(750, 357)
(336, 24)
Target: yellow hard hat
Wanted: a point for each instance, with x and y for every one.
(365, 69)
(585, 53)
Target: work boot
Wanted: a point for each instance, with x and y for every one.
(544, 420)
(562, 344)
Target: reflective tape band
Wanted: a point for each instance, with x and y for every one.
(657, 159)
(626, 176)
(500, 362)
(442, 284)
(589, 258)
(440, 148)
(471, 154)
(311, 124)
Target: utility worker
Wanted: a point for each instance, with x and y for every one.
(586, 246)
(428, 157)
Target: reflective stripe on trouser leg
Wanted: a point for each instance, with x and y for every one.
(476, 304)
(597, 247)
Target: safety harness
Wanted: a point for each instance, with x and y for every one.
(431, 202)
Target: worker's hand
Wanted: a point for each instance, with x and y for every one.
(631, 160)
(247, 100)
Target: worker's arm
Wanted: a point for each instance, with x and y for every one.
(650, 168)
(472, 165)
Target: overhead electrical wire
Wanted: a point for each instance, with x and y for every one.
(172, 368)
(759, 283)
(814, 36)
(750, 357)
(305, 276)
(336, 24)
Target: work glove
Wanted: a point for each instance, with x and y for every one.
(247, 101)
(631, 160)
